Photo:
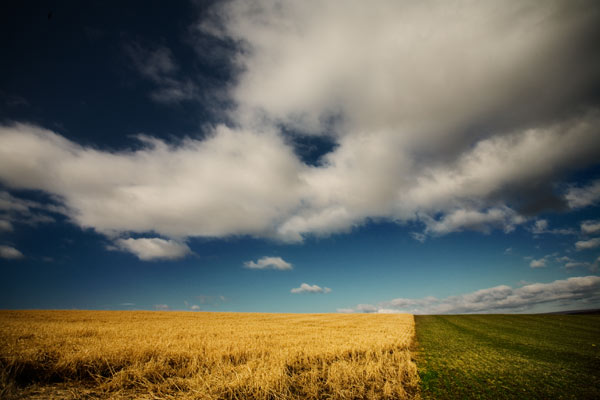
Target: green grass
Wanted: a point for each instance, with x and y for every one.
(509, 356)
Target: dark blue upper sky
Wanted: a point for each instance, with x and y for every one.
(300, 157)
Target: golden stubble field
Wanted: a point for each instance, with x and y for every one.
(137, 354)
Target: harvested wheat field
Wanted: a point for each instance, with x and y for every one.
(129, 354)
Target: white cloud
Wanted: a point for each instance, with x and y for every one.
(10, 253)
(572, 292)
(540, 263)
(162, 307)
(234, 182)
(372, 75)
(474, 220)
(387, 311)
(420, 108)
(497, 166)
(345, 310)
(153, 248)
(392, 65)
(195, 307)
(584, 196)
(269, 262)
(590, 227)
(306, 288)
(587, 244)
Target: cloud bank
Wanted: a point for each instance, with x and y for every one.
(572, 292)
(458, 117)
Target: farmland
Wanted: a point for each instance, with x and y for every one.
(109, 354)
(509, 356)
(184, 355)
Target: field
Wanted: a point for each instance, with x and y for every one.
(183, 355)
(109, 354)
(509, 356)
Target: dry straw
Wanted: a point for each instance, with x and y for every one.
(104, 354)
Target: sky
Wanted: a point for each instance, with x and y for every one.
(300, 156)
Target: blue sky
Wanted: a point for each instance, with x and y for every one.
(266, 156)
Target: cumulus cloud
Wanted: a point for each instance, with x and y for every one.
(158, 65)
(268, 263)
(392, 65)
(369, 82)
(587, 244)
(590, 227)
(540, 263)
(306, 288)
(162, 307)
(10, 253)
(195, 307)
(572, 292)
(147, 249)
(584, 196)
(419, 107)
(171, 190)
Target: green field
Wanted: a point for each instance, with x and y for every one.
(509, 356)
